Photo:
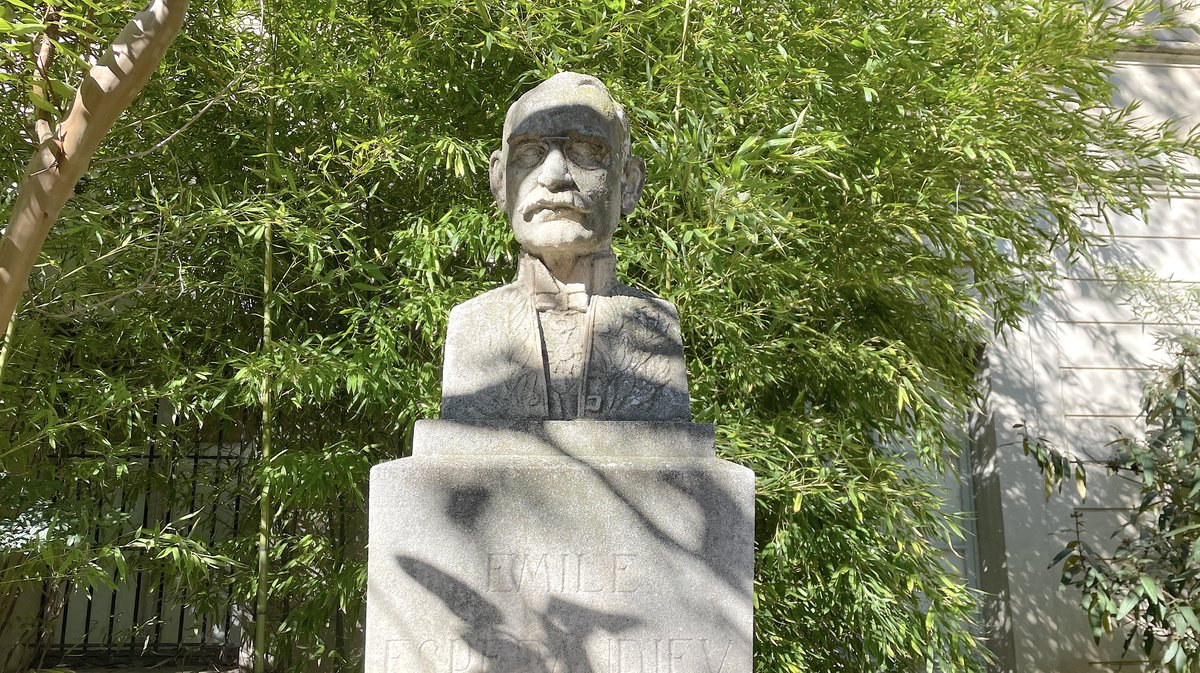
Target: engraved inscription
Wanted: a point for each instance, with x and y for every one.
(561, 573)
(460, 655)
(618, 655)
(668, 655)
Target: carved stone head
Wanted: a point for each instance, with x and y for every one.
(564, 173)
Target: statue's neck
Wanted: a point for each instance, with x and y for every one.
(592, 273)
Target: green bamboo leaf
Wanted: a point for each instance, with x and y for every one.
(1183, 529)
(41, 103)
(20, 28)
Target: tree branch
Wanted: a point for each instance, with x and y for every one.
(63, 157)
(41, 85)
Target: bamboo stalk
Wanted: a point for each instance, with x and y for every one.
(267, 398)
(264, 502)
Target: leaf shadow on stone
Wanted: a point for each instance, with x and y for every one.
(466, 505)
(724, 522)
(725, 525)
(565, 626)
(635, 371)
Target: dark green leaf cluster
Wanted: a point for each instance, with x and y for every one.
(843, 199)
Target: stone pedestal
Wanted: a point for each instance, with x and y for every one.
(560, 547)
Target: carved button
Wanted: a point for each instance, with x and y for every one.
(592, 403)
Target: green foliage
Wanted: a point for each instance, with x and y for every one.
(1146, 586)
(843, 200)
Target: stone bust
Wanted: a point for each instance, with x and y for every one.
(565, 340)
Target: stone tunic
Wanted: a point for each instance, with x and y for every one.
(538, 349)
(563, 312)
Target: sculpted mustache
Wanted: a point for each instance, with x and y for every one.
(573, 200)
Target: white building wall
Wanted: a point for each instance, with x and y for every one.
(1073, 375)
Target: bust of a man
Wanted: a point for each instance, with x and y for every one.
(565, 340)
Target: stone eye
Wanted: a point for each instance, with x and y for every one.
(586, 154)
(528, 154)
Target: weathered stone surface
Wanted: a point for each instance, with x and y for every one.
(563, 438)
(565, 340)
(622, 361)
(559, 564)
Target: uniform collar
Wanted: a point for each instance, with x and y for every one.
(599, 275)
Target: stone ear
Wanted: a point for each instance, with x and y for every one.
(496, 178)
(631, 186)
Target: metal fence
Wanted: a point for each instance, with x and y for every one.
(147, 617)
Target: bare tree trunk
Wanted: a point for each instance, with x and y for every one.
(63, 154)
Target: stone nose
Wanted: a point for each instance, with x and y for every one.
(554, 174)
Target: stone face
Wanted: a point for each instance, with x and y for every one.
(582, 562)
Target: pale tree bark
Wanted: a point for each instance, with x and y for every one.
(64, 153)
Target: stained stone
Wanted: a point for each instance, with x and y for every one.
(583, 562)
